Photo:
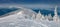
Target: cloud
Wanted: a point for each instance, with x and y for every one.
(31, 1)
(44, 6)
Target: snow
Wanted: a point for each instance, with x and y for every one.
(19, 20)
(16, 22)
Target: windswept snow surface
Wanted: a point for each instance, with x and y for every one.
(18, 20)
(14, 21)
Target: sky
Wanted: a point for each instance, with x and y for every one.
(31, 3)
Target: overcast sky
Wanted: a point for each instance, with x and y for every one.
(31, 3)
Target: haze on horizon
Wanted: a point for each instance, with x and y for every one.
(30, 3)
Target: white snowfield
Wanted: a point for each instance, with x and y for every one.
(14, 21)
(19, 20)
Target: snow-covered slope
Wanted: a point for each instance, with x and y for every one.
(19, 20)
(14, 21)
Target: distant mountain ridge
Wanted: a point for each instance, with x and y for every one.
(45, 12)
(4, 11)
